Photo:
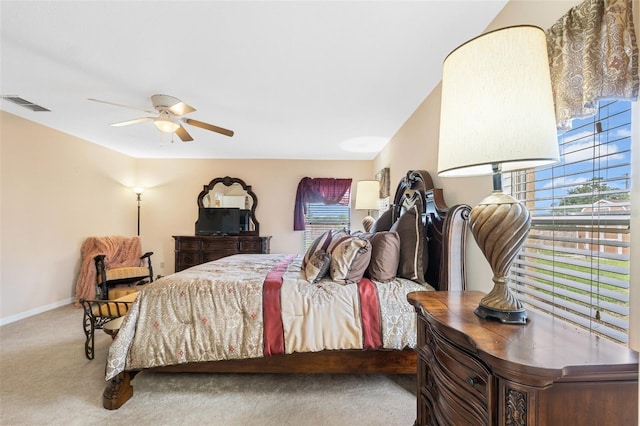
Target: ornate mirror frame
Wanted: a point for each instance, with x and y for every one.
(228, 181)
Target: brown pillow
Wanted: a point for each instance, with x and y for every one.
(383, 223)
(385, 256)
(350, 256)
(318, 266)
(409, 227)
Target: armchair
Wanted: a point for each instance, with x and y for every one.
(108, 280)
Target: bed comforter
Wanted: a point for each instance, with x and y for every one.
(256, 305)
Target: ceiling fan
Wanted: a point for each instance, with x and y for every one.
(170, 112)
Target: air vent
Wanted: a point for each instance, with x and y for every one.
(25, 103)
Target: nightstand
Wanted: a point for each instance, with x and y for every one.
(473, 371)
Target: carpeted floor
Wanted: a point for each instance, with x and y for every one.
(46, 379)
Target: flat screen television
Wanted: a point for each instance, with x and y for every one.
(218, 221)
(245, 218)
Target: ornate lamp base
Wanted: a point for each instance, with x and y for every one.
(500, 225)
(507, 317)
(367, 223)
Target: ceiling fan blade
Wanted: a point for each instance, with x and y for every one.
(208, 126)
(134, 121)
(181, 108)
(172, 104)
(183, 134)
(120, 105)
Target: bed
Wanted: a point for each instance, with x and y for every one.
(278, 313)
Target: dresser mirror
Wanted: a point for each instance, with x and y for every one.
(232, 193)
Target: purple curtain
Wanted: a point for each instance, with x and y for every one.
(318, 190)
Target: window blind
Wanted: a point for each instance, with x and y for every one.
(575, 262)
(321, 217)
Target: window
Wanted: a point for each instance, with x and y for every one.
(321, 217)
(575, 262)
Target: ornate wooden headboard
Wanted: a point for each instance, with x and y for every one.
(445, 229)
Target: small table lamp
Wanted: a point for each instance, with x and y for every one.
(368, 198)
(497, 115)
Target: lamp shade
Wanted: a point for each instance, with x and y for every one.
(497, 104)
(368, 195)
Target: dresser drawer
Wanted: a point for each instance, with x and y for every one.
(208, 256)
(187, 259)
(188, 245)
(458, 385)
(251, 246)
(222, 244)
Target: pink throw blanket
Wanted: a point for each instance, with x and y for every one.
(120, 251)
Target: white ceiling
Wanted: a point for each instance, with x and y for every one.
(293, 79)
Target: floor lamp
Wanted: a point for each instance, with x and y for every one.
(138, 191)
(368, 198)
(497, 115)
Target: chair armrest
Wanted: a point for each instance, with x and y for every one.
(147, 255)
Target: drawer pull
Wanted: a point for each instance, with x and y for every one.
(472, 381)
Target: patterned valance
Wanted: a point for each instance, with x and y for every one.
(593, 55)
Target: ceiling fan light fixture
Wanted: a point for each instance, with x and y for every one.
(166, 124)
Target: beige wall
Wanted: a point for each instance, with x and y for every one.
(415, 145)
(56, 190)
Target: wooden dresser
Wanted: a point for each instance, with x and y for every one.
(194, 250)
(473, 371)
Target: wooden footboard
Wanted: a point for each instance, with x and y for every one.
(119, 389)
(327, 362)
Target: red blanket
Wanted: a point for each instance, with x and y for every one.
(120, 251)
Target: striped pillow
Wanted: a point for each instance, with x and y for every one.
(320, 243)
(350, 256)
(318, 266)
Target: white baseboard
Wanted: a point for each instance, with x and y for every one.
(32, 312)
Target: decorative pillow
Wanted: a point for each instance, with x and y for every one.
(411, 231)
(350, 256)
(385, 256)
(318, 266)
(384, 222)
(320, 243)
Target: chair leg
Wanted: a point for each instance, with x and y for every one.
(89, 326)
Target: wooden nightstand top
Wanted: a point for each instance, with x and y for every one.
(543, 351)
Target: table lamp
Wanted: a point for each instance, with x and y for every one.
(497, 115)
(368, 198)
